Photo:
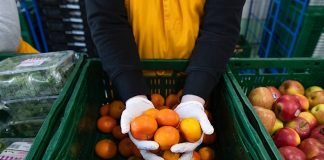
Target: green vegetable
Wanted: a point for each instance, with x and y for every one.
(46, 78)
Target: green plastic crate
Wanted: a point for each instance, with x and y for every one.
(52, 121)
(246, 74)
(312, 27)
(77, 134)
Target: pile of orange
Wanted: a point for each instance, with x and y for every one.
(160, 124)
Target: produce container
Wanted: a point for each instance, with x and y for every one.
(246, 74)
(5, 142)
(35, 75)
(53, 119)
(25, 109)
(77, 135)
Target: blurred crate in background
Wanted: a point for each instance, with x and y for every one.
(292, 28)
(65, 25)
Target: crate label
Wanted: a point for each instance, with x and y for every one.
(32, 62)
(16, 151)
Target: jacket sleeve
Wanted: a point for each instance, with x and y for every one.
(116, 46)
(218, 34)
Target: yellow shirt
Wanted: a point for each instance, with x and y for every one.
(24, 47)
(165, 29)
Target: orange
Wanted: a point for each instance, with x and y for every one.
(172, 100)
(104, 110)
(116, 109)
(157, 99)
(190, 129)
(206, 153)
(106, 149)
(209, 139)
(106, 124)
(151, 112)
(167, 117)
(168, 155)
(143, 127)
(166, 136)
(125, 147)
(116, 132)
(195, 155)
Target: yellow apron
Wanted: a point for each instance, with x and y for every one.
(165, 29)
(24, 47)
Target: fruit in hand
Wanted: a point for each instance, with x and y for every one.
(268, 118)
(292, 153)
(166, 136)
(190, 129)
(286, 108)
(301, 126)
(143, 127)
(261, 96)
(291, 87)
(286, 137)
(167, 117)
(318, 112)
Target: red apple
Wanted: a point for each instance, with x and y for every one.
(268, 118)
(303, 101)
(292, 153)
(286, 137)
(310, 118)
(275, 92)
(318, 133)
(301, 126)
(291, 87)
(316, 98)
(311, 147)
(286, 108)
(262, 97)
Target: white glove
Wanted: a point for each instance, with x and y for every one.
(192, 106)
(145, 147)
(135, 106)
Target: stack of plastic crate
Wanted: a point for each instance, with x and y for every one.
(292, 29)
(65, 25)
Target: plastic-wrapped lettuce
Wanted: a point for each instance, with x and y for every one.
(35, 75)
(25, 109)
(21, 129)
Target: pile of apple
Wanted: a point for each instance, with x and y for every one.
(294, 117)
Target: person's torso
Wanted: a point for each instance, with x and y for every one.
(165, 29)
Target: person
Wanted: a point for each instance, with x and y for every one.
(10, 33)
(204, 31)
